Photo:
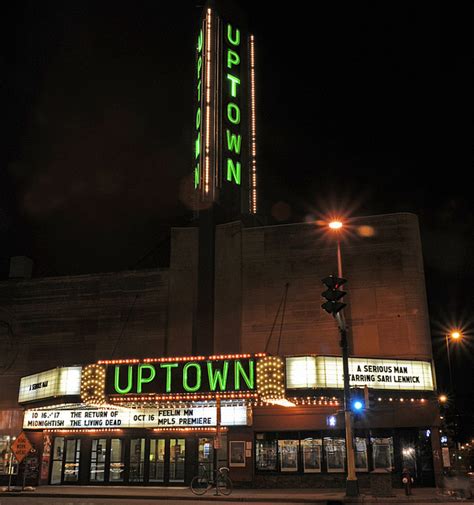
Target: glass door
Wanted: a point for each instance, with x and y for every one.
(177, 457)
(117, 460)
(137, 460)
(57, 457)
(97, 471)
(157, 460)
(206, 454)
(71, 462)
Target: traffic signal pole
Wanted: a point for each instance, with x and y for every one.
(335, 306)
(352, 488)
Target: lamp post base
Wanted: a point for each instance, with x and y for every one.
(352, 488)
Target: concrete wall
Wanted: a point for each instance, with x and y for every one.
(228, 289)
(382, 260)
(73, 320)
(182, 290)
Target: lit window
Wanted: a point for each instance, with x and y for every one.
(312, 455)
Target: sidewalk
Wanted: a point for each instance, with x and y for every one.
(328, 496)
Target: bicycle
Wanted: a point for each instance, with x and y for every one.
(202, 483)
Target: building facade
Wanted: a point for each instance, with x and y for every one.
(63, 336)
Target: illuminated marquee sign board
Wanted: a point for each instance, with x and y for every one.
(182, 377)
(225, 110)
(201, 416)
(61, 381)
(327, 372)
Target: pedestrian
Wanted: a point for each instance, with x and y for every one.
(407, 480)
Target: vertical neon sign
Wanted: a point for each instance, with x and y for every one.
(198, 122)
(225, 165)
(233, 137)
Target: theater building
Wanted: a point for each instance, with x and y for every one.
(133, 377)
(153, 421)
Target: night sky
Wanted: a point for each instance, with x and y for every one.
(357, 112)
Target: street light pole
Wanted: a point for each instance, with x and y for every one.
(352, 487)
(453, 335)
(449, 364)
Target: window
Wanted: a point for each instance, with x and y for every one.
(360, 450)
(311, 454)
(288, 450)
(335, 449)
(382, 453)
(266, 454)
(4, 454)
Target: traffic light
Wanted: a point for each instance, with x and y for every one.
(357, 405)
(358, 402)
(333, 295)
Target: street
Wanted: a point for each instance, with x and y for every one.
(110, 501)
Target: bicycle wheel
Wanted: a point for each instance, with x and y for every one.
(199, 485)
(224, 485)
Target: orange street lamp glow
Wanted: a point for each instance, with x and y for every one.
(455, 335)
(443, 398)
(335, 225)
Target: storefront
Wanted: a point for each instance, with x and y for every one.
(274, 421)
(127, 459)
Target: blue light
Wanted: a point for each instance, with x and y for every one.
(358, 405)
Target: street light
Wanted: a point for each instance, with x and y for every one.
(454, 335)
(352, 488)
(443, 398)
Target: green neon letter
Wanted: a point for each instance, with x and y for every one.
(199, 66)
(198, 118)
(199, 91)
(234, 81)
(197, 147)
(186, 386)
(199, 44)
(196, 176)
(239, 371)
(144, 380)
(217, 376)
(233, 39)
(168, 367)
(233, 142)
(232, 58)
(129, 380)
(233, 113)
(233, 171)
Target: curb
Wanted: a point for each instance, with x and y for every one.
(236, 499)
(204, 498)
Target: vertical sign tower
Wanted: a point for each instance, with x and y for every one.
(225, 154)
(225, 168)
